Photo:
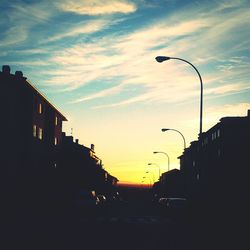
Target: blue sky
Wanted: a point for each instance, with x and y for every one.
(95, 61)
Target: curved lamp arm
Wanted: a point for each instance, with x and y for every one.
(165, 58)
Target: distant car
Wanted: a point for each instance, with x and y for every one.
(174, 207)
(101, 199)
(176, 203)
(163, 201)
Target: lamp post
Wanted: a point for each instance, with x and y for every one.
(158, 167)
(147, 172)
(165, 58)
(149, 180)
(160, 152)
(167, 129)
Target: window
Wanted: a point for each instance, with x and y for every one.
(40, 133)
(205, 142)
(218, 133)
(56, 120)
(56, 141)
(40, 108)
(198, 177)
(34, 131)
(214, 136)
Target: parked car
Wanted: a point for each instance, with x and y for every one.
(176, 203)
(174, 207)
(163, 201)
(101, 199)
(173, 203)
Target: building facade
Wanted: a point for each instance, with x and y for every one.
(31, 126)
(37, 158)
(217, 165)
(81, 169)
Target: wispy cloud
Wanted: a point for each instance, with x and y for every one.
(33, 51)
(36, 12)
(21, 18)
(103, 93)
(112, 56)
(83, 28)
(229, 4)
(132, 100)
(198, 35)
(31, 63)
(14, 35)
(97, 7)
(215, 113)
(115, 56)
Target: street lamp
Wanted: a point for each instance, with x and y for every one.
(147, 172)
(165, 58)
(160, 152)
(167, 129)
(149, 180)
(158, 167)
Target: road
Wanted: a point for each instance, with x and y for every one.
(131, 225)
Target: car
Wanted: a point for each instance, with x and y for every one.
(173, 203)
(176, 203)
(177, 207)
(163, 201)
(101, 199)
(174, 207)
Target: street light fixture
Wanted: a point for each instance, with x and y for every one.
(144, 177)
(167, 129)
(160, 152)
(158, 167)
(147, 172)
(161, 59)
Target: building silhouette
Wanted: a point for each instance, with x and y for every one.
(39, 163)
(214, 170)
(172, 183)
(81, 169)
(216, 167)
(31, 130)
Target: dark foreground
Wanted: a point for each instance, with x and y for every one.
(124, 225)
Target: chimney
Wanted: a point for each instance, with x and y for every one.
(77, 141)
(6, 69)
(248, 113)
(92, 147)
(19, 74)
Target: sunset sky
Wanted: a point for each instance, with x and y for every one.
(94, 60)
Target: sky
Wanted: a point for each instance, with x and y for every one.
(95, 61)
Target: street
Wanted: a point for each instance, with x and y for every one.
(126, 225)
(134, 225)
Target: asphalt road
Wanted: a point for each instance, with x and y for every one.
(122, 226)
(127, 226)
